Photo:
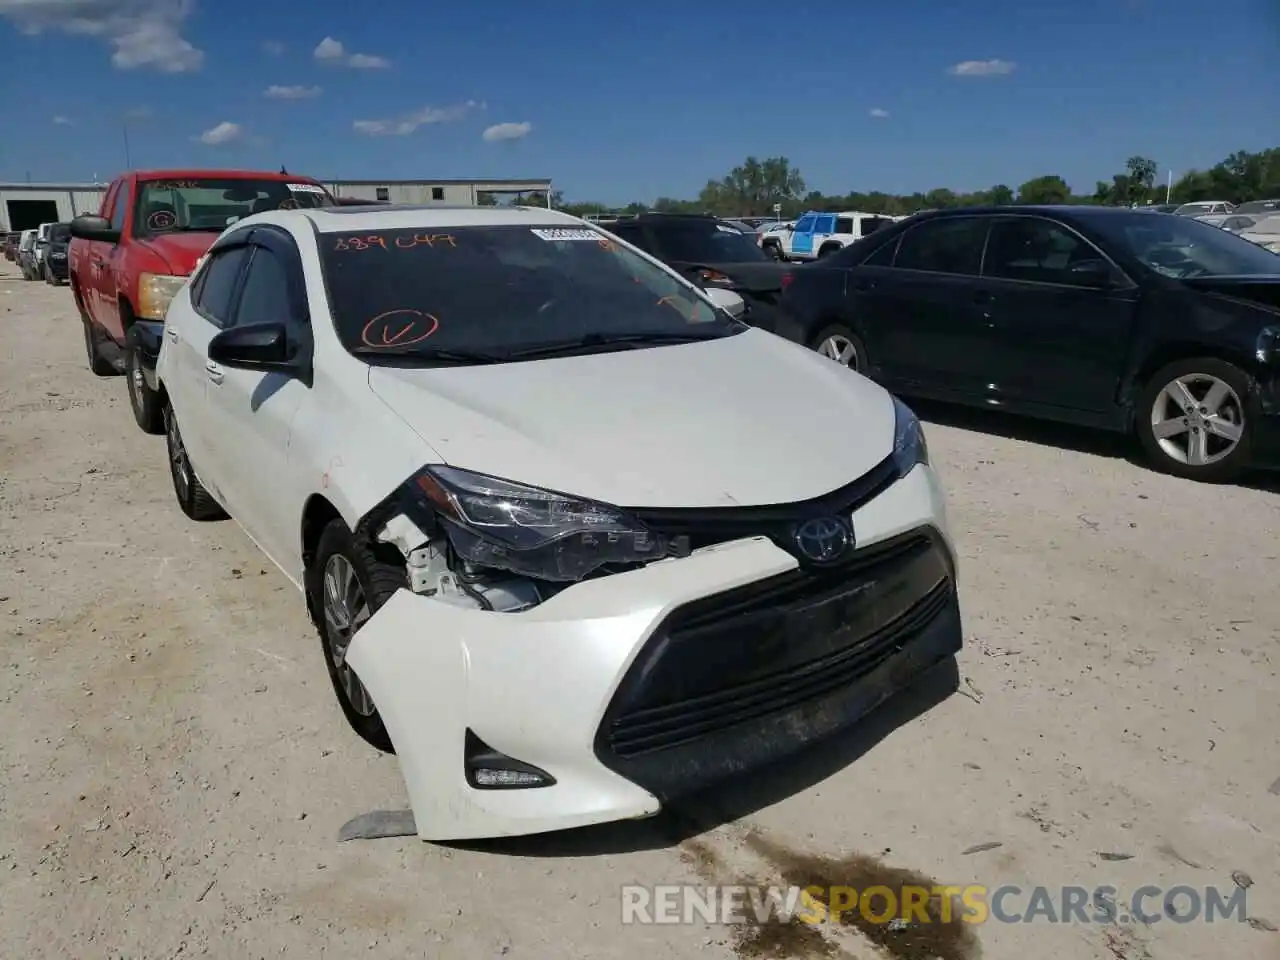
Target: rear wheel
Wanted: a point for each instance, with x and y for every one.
(145, 402)
(93, 348)
(837, 342)
(1193, 419)
(347, 583)
(193, 498)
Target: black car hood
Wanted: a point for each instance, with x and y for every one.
(763, 277)
(1263, 289)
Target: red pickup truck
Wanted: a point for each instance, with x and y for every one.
(126, 263)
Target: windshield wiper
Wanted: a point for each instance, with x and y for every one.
(594, 341)
(441, 356)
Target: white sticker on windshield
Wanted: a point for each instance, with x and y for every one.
(305, 188)
(560, 233)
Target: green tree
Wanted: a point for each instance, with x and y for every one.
(1000, 195)
(1046, 189)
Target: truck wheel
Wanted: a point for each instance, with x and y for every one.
(346, 584)
(1193, 419)
(195, 501)
(92, 346)
(145, 402)
(829, 249)
(774, 250)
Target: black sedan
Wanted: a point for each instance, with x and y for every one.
(712, 253)
(1161, 326)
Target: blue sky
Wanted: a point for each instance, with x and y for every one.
(620, 102)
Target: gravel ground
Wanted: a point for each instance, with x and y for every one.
(176, 769)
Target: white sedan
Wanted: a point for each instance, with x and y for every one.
(575, 540)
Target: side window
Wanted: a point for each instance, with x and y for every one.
(949, 245)
(844, 224)
(122, 204)
(108, 200)
(265, 296)
(871, 224)
(1039, 251)
(218, 284)
(805, 224)
(825, 225)
(384, 194)
(883, 255)
(632, 234)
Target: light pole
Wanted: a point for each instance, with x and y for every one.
(1168, 190)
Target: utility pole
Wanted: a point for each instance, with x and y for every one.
(1168, 191)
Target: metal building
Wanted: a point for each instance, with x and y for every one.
(445, 192)
(24, 206)
(27, 205)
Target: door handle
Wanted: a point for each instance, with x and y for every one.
(171, 333)
(214, 371)
(864, 285)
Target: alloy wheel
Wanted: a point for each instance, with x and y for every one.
(346, 609)
(840, 349)
(1197, 419)
(179, 464)
(136, 383)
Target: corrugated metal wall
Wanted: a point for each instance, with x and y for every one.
(451, 194)
(70, 202)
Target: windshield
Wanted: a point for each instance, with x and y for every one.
(60, 233)
(1182, 248)
(496, 290)
(708, 242)
(211, 205)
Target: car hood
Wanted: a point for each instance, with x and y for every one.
(746, 420)
(180, 251)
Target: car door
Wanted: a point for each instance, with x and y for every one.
(250, 412)
(113, 262)
(824, 226)
(1058, 337)
(914, 302)
(799, 241)
(212, 296)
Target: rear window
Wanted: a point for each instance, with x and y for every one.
(60, 233)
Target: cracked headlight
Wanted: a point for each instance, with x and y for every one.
(909, 447)
(533, 532)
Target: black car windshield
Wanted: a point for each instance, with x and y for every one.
(443, 293)
(706, 241)
(206, 204)
(60, 233)
(1182, 247)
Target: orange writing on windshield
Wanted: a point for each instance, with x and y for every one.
(425, 240)
(398, 328)
(359, 243)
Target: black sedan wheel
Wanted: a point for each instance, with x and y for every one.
(837, 342)
(1193, 419)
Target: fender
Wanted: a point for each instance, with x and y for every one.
(145, 337)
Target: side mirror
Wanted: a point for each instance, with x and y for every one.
(257, 346)
(91, 227)
(728, 301)
(1093, 273)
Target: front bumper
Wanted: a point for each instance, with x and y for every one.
(58, 268)
(632, 689)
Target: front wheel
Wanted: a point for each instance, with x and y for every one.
(346, 585)
(1193, 419)
(837, 342)
(144, 401)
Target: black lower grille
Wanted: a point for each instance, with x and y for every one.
(775, 652)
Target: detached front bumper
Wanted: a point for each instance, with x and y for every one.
(632, 689)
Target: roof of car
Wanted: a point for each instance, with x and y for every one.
(180, 174)
(344, 219)
(1057, 210)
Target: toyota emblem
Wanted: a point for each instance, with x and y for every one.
(824, 539)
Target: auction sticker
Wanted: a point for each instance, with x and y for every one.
(305, 188)
(560, 233)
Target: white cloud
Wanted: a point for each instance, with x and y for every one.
(332, 51)
(273, 48)
(224, 133)
(982, 68)
(61, 121)
(879, 112)
(401, 126)
(506, 131)
(298, 92)
(144, 33)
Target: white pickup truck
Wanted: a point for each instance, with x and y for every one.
(818, 234)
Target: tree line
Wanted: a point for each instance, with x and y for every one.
(754, 186)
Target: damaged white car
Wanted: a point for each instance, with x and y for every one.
(576, 540)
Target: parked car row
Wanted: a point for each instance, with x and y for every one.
(432, 418)
(41, 253)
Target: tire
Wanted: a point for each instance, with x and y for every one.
(375, 575)
(99, 364)
(194, 500)
(829, 250)
(145, 403)
(48, 277)
(774, 250)
(1210, 439)
(838, 337)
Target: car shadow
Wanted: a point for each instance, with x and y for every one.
(741, 796)
(1064, 436)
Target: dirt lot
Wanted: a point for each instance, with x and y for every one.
(176, 769)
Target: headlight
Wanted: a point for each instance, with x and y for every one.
(532, 532)
(155, 290)
(909, 447)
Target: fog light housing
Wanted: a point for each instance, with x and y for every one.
(487, 769)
